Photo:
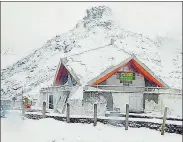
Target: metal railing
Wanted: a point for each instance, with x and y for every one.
(128, 89)
(56, 88)
(117, 89)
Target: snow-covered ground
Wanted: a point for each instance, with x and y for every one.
(13, 129)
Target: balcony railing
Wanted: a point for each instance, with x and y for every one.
(117, 89)
(130, 89)
(56, 88)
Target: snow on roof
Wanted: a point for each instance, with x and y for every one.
(89, 64)
(89, 88)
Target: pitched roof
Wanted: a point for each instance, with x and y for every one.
(95, 65)
(142, 68)
(89, 64)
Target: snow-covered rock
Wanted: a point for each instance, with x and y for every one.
(95, 30)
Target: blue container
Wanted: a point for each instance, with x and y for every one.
(4, 110)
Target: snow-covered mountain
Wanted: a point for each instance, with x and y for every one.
(96, 29)
(13, 55)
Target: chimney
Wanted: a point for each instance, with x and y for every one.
(112, 41)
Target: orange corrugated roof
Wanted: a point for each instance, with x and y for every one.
(108, 75)
(145, 73)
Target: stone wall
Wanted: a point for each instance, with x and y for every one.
(169, 128)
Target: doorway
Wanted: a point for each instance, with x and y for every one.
(136, 103)
(109, 102)
(51, 102)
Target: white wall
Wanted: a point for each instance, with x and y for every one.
(39, 101)
(173, 102)
(120, 100)
(88, 106)
(75, 107)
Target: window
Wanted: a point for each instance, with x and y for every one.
(126, 83)
(73, 80)
(92, 95)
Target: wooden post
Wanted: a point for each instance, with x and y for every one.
(164, 120)
(22, 97)
(95, 115)
(68, 113)
(23, 110)
(127, 116)
(44, 109)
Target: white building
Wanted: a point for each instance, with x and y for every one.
(107, 76)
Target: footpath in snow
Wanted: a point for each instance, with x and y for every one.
(13, 129)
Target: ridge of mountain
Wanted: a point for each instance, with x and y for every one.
(96, 29)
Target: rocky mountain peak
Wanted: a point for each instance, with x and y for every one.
(98, 13)
(100, 16)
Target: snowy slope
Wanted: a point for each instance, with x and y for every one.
(13, 55)
(95, 30)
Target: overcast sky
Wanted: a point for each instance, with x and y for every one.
(29, 24)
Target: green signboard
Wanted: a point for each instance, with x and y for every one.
(127, 76)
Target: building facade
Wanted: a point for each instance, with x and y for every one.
(106, 76)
